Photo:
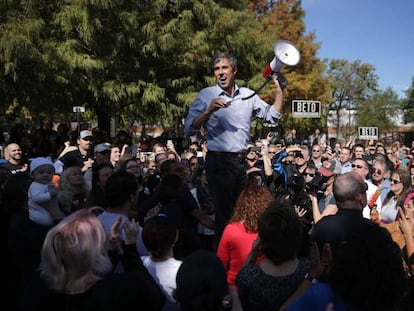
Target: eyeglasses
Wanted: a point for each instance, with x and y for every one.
(395, 181)
(357, 166)
(377, 171)
(316, 150)
(308, 174)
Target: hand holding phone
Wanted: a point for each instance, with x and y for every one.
(170, 145)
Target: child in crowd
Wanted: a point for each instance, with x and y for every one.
(43, 202)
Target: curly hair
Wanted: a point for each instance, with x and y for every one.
(252, 201)
(368, 271)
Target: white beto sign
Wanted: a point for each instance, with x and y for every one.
(78, 109)
(302, 108)
(368, 133)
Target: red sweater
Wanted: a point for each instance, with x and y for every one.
(234, 247)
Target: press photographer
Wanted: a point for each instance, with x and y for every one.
(326, 204)
(253, 159)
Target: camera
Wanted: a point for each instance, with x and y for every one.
(298, 154)
(317, 184)
(274, 134)
(276, 139)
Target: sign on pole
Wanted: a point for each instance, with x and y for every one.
(302, 108)
(78, 109)
(368, 133)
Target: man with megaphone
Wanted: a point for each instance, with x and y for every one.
(226, 111)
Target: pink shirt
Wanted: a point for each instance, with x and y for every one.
(234, 247)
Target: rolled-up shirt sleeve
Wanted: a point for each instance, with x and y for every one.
(228, 129)
(198, 107)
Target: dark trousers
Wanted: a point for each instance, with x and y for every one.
(226, 178)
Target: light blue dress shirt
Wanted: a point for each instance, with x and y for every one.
(228, 129)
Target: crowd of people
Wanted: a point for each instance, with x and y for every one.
(231, 222)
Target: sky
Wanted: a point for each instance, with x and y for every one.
(380, 33)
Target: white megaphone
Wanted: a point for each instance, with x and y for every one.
(286, 54)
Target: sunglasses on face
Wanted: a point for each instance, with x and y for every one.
(357, 166)
(395, 181)
(377, 171)
(308, 174)
(271, 152)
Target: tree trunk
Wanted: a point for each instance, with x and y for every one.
(104, 118)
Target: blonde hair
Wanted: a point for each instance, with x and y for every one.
(74, 254)
(68, 191)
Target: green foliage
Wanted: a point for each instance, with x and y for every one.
(381, 108)
(283, 20)
(352, 84)
(146, 60)
(408, 103)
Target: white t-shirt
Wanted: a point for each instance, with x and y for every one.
(164, 273)
(389, 210)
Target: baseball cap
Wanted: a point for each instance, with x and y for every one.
(330, 168)
(102, 147)
(85, 134)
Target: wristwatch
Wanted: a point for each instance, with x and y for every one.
(309, 278)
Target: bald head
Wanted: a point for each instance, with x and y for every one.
(350, 191)
(13, 153)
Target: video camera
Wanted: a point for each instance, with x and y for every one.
(316, 185)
